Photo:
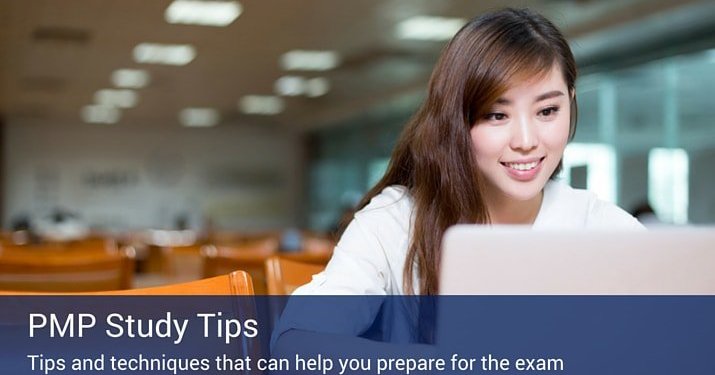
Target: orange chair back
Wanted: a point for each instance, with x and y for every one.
(52, 269)
(219, 260)
(178, 263)
(283, 275)
(236, 283)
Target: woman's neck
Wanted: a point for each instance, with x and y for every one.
(506, 210)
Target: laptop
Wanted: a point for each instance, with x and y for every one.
(578, 302)
(513, 260)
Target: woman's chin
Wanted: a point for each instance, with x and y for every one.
(524, 192)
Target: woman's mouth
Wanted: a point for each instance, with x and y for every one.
(523, 170)
(522, 166)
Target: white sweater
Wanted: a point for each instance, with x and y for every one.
(370, 256)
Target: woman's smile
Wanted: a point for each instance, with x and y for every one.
(524, 169)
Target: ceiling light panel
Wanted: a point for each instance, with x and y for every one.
(130, 78)
(290, 86)
(204, 13)
(121, 98)
(261, 104)
(167, 54)
(316, 87)
(297, 86)
(310, 60)
(429, 28)
(100, 114)
(199, 117)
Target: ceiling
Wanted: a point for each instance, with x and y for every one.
(54, 55)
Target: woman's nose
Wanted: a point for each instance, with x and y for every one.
(524, 135)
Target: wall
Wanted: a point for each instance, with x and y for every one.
(343, 166)
(117, 178)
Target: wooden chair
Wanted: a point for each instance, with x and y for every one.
(221, 259)
(93, 243)
(283, 275)
(52, 269)
(185, 263)
(178, 263)
(236, 283)
(89, 244)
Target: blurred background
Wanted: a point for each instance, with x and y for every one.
(124, 116)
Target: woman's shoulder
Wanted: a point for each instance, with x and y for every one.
(567, 206)
(391, 195)
(370, 254)
(394, 203)
(388, 220)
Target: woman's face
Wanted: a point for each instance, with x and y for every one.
(519, 143)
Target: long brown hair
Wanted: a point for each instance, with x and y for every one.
(433, 157)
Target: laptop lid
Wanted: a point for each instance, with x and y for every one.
(504, 260)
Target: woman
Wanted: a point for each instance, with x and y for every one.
(484, 148)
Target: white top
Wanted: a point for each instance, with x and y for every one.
(369, 259)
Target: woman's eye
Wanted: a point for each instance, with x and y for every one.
(495, 116)
(548, 112)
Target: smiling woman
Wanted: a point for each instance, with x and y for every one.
(484, 148)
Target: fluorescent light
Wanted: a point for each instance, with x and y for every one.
(261, 104)
(290, 86)
(318, 86)
(600, 162)
(309, 60)
(123, 98)
(206, 13)
(168, 54)
(295, 86)
(130, 78)
(199, 117)
(100, 114)
(429, 28)
(668, 183)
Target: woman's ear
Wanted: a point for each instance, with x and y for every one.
(572, 93)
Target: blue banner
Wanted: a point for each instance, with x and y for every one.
(350, 335)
